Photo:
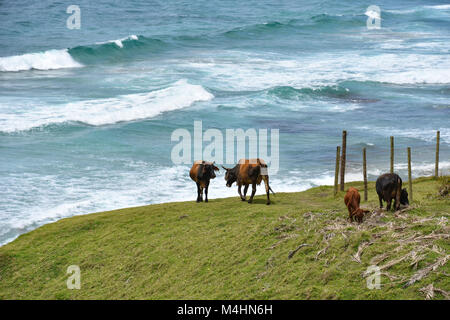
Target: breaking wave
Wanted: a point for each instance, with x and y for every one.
(130, 47)
(108, 111)
(47, 60)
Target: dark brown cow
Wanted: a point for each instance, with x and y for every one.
(389, 186)
(246, 172)
(352, 200)
(202, 172)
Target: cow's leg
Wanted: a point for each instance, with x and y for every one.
(245, 190)
(240, 193)
(198, 192)
(201, 194)
(253, 192)
(397, 196)
(266, 183)
(387, 196)
(381, 201)
(397, 200)
(206, 191)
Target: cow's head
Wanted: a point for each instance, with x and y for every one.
(230, 176)
(208, 170)
(359, 214)
(404, 197)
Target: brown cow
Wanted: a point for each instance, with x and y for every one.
(352, 200)
(246, 172)
(202, 172)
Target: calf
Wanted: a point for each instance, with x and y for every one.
(202, 172)
(389, 186)
(352, 200)
(246, 172)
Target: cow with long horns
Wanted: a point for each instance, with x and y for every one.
(246, 172)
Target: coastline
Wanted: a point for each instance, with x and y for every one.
(260, 192)
(232, 192)
(217, 190)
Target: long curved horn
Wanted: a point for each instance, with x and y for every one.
(225, 168)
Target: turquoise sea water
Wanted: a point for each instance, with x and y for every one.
(86, 115)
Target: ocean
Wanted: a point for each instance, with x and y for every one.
(86, 115)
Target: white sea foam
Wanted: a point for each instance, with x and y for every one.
(431, 47)
(429, 76)
(47, 60)
(106, 111)
(425, 169)
(243, 71)
(419, 169)
(406, 11)
(421, 134)
(344, 108)
(440, 7)
(418, 9)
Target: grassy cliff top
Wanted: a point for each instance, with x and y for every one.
(229, 249)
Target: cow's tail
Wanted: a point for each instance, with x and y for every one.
(271, 190)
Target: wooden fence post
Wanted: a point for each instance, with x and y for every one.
(365, 174)
(409, 175)
(344, 152)
(392, 154)
(436, 168)
(336, 172)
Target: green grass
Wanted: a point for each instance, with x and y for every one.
(229, 249)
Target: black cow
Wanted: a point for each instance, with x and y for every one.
(202, 172)
(389, 186)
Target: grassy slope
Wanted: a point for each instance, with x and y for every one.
(229, 249)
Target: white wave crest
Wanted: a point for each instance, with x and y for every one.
(419, 9)
(107, 111)
(47, 60)
(119, 42)
(440, 7)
